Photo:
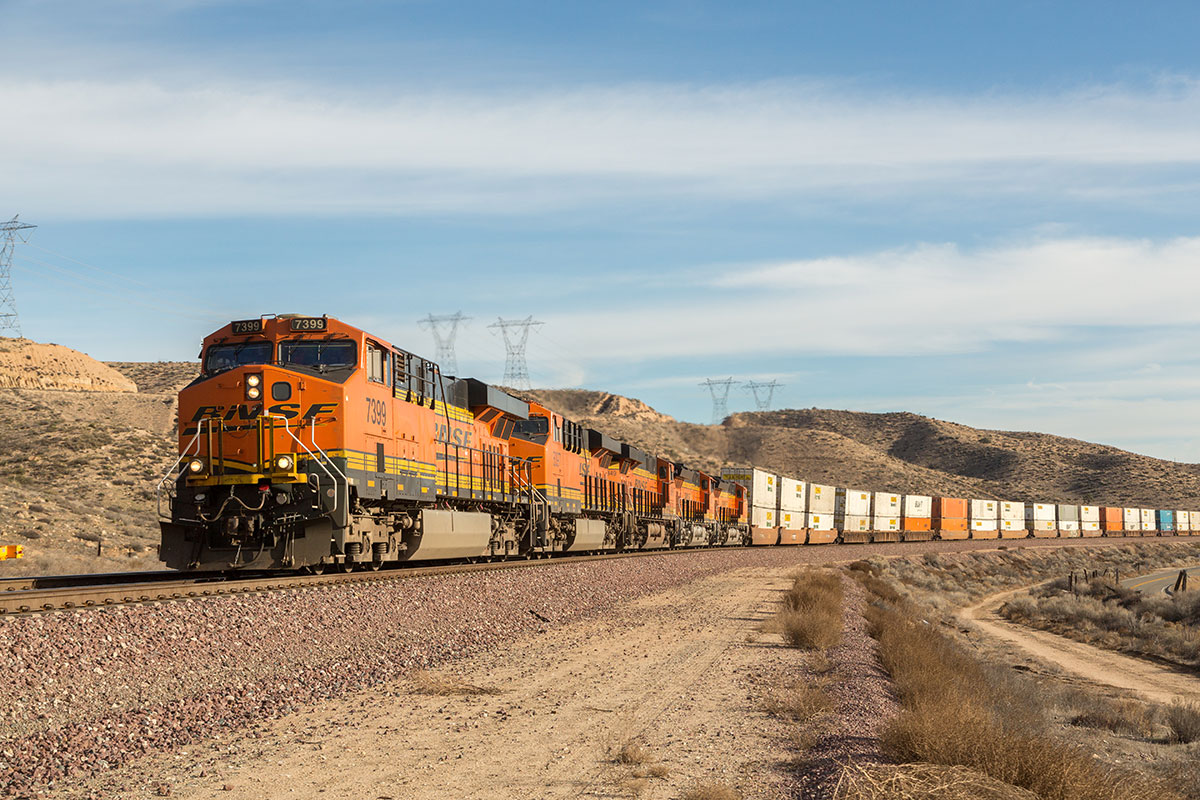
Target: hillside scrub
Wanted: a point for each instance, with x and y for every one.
(958, 711)
(810, 614)
(1102, 613)
(948, 581)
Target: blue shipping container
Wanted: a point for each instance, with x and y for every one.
(1166, 520)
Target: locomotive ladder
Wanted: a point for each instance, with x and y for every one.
(538, 528)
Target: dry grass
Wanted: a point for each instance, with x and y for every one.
(957, 712)
(631, 753)
(652, 771)
(799, 702)
(447, 686)
(922, 782)
(712, 791)
(1184, 721)
(811, 612)
(1129, 717)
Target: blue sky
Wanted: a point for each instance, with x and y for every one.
(980, 211)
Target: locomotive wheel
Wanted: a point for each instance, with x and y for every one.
(315, 569)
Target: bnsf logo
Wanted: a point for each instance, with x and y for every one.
(249, 413)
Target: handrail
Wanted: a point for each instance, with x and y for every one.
(287, 429)
(158, 488)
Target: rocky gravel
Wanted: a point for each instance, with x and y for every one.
(89, 689)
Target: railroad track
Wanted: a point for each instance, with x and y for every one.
(64, 592)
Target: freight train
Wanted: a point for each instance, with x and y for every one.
(308, 444)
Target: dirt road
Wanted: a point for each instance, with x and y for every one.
(680, 674)
(1152, 681)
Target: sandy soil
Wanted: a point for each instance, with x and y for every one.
(681, 673)
(1152, 681)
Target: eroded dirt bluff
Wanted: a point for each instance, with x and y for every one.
(25, 364)
(899, 452)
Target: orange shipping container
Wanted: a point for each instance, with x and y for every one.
(950, 524)
(949, 508)
(1112, 518)
(916, 524)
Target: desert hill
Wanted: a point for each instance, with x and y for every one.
(899, 452)
(79, 463)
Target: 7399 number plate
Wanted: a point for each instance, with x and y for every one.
(308, 324)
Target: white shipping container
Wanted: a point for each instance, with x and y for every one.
(885, 504)
(819, 522)
(1149, 523)
(1068, 524)
(1012, 525)
(762, 488)
(984, 524)
(1070, 513)
(1040, 512)
(985, 510)
(1012, 511)
(917, 506)
(1182, 523)
(1041, 525)
(1089, 514)
(853, 502)
(763, 518)
(791, 495)
(1089, 525)
(821, 500)
(1133, 518)
(886, 523)
(1194, 519)
(856, 522)
(791, 520)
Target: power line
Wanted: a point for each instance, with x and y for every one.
(444, 328)
(763, 401)
(9, 233)
(516, 334)
(720, 397)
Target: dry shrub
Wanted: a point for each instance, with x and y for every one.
(712, 791)
(635, 786)
(811, 617)
(1119, 716)
(956, 712)
(631, 753)
(800, 702)
(1184, 721)
(922, 782)
(446, 686)
(652, 771)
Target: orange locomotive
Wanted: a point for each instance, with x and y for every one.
(307, 443)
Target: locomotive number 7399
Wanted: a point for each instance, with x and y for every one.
(376, 412)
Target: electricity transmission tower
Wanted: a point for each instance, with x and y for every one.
(515, 333)
(763, 401)
(444, 328)
(9, 233)
(720, 397)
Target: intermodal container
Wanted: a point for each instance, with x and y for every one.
(856, 523)
(1133, 519)
(1183, 522)
(886, 523)
(821, 500)
(885, 504)
(1040, 512)
(1013, 511)
(918, 505)
(984, 510)
(1069, 528)
(792, 496)
(1068, 513)
(918, 523)
(791, 520)
(1194, 518)
(1148, 520)
(1165, 520)
(1112, 518)
(1089, 513)
(762, 488)
(949, 508)
(1013, 525)
(853, 503)
(1090, 528)
(818, 522)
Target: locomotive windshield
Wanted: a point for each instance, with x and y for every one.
(318, 355)
(221, 357)
(536, 429)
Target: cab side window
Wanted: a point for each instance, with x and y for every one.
(376, 363)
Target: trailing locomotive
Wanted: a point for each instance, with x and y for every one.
(306, 443)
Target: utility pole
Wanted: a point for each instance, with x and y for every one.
(444, 328)
(9, 233)
(763, 401)
(720, 397)
(516, 334)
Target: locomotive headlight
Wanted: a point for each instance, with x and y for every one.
(284, 463)
(196, 466)
(253, 386)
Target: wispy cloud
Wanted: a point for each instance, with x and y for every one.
(279, 149)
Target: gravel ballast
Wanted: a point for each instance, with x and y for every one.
(90, 689)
